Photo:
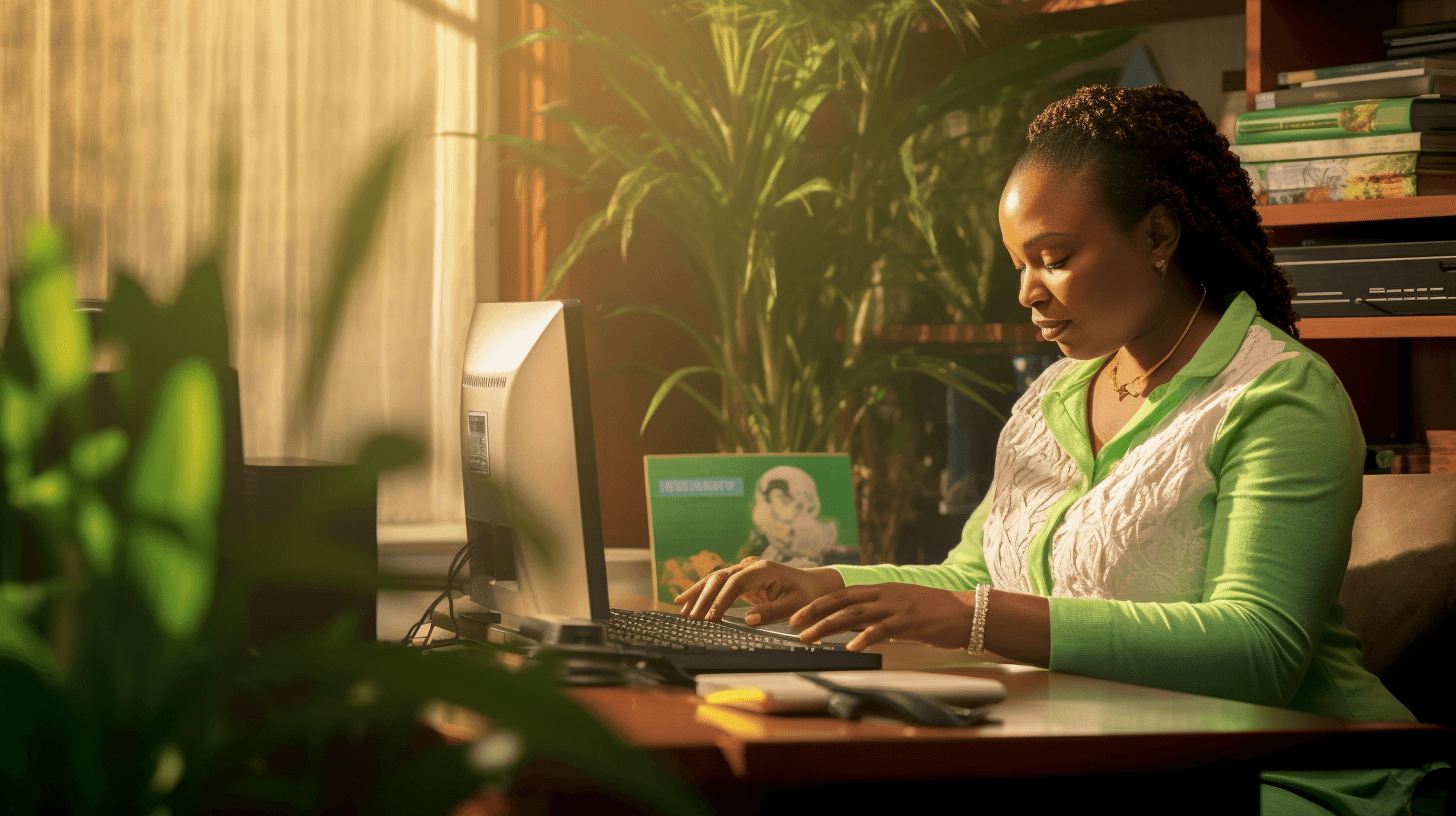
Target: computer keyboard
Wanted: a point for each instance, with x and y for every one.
(701, 646)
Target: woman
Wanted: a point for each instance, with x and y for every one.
(1172, 503)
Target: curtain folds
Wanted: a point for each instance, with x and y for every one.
(111, 116)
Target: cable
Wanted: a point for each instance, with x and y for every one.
(449, 597)
(456, 564)
(450, 577)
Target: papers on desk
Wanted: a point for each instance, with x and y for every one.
(787, 693)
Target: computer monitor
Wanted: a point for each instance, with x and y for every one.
(526, 433)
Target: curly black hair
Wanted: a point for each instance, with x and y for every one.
(1154, 145)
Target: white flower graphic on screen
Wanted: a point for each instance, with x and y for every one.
(786, 519)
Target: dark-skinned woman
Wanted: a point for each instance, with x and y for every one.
(1172, 504)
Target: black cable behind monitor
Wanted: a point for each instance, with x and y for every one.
(456, 564)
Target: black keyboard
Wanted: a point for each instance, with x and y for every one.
(696, 646)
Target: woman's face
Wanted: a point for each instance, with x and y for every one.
(1090, 286)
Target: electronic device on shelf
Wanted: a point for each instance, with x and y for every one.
(526, 433)
(1371, 279)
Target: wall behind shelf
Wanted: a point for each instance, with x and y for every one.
(1420, 12)
(1191, 55)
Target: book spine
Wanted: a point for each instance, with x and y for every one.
(1331, 121)
(1324, 148)
(1408, 72)
(1395, 187)
(1311, 74)
(1345, 92)
(1335, 179)
(1443, 48)
(1417, 30)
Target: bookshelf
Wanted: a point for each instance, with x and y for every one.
(1401, 326)
(1347, 212)
(1395, 368)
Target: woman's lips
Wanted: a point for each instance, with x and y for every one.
(1051, 328)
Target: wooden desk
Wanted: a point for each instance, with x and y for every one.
(1058, 739)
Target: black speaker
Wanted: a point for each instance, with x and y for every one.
(273, 489)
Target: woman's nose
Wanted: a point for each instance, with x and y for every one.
(1031, 291)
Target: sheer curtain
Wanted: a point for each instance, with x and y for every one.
(111, 113)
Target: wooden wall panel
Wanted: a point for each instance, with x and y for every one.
(538, 218)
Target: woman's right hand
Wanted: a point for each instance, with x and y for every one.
(776, 591)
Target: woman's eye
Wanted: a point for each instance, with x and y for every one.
(1055, 264)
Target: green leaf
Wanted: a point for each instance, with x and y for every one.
(55, 334)
(20, 418)
(95, 455)
(17, 638)
(200, 314)
(919, 214)
(386, 452)
(47, 492)
(707, 344)
(22, 599)
(174, 575)
(801, 193)
(532, 37)
(298, 554)
(97, 530)
(177, 473)
(44, 249)
(594, 224)
(670, 383)
(546, 155)
(134, 321)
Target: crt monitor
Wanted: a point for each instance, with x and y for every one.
(526, 432)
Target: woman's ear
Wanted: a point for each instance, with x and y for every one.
(1162, 232)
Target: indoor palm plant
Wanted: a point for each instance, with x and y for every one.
(772, 142)
(129, 682)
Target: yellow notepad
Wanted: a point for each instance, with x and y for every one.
(787, 693)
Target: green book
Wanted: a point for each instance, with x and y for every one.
(1338, 120)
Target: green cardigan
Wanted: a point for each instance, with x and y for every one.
(1274, 514)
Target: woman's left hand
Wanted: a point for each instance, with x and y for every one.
(905, 611)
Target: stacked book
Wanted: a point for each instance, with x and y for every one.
(1429, 39)
(1372, 130)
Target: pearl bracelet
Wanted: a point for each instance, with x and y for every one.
(978, 622)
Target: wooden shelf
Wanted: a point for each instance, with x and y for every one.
(1069, 16)
(1344, 212)
(955, 333)
(1027, 335)
(1328, 328)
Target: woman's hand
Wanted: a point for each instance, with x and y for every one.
(774, 590)
(906, 611)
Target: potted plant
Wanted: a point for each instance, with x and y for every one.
(776, 149)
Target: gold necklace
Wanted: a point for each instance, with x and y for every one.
(1122, 390)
